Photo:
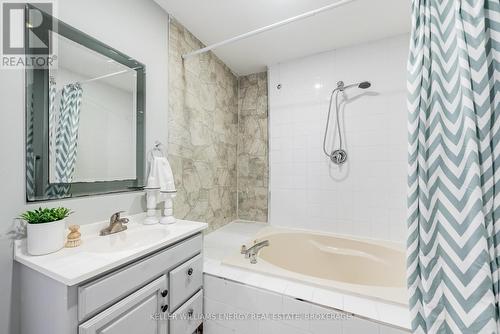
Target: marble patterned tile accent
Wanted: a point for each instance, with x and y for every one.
(202, 132)
(253, 166)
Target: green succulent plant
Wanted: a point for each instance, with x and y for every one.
(45, 215)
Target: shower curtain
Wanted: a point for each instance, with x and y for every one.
(63, 138)
(454, 155)
(30, 153)
(53, 118)
(66, 142)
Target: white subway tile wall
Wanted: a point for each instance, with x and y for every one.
(366, 196)
(223, 297)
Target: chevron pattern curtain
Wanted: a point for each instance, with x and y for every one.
(53, 117)
(52, 189)
(454, 155)
(30, 154)
(67, 133)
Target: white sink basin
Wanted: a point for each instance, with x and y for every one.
(125, 240)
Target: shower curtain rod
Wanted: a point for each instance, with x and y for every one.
(107, 75)
(266, 28)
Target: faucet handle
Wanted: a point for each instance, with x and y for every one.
(115, 216)
(243, 249)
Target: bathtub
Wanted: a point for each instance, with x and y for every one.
(370, 268)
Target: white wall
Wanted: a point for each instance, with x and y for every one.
(107, 121)
(367, 196)
(139, 28)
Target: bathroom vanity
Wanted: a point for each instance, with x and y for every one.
(85, 136)
(147, 279)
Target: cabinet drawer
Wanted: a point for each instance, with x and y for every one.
(189, 316)
(185, 280)
(132, 314)
(99, 294)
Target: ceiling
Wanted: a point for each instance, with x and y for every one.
(354, 23)
(89, 64)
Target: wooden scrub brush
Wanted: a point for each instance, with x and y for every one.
(73, 237)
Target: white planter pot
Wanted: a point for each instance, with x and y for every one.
(46, 238)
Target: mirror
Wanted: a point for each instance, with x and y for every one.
(84, 120)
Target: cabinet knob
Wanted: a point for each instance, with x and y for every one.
(164, 308)
(164, 293)
(190, 313)
(190, 271)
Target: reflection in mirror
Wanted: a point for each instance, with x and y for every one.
(91, 105)
(85, 120)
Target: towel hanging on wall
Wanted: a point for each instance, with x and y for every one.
(160, 174)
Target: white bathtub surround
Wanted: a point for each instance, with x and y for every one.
(224, 296)
(98, 254)
(366, 196)
(377, 316)
(45, 238)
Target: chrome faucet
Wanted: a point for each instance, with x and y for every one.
(252, 252)
(116, 224)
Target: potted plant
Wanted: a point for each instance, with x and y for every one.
(46, 229)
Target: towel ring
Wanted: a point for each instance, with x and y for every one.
(156, 152)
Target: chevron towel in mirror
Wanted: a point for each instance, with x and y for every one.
(454, 155)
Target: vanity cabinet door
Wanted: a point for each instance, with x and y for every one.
(185, 280)
(136, 314)
(188, 317)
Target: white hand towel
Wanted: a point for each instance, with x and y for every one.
(160, 175)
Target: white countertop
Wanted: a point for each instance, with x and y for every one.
(99, 254)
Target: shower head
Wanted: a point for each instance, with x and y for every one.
(364, 85)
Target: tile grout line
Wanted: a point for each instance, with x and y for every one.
(237, 149)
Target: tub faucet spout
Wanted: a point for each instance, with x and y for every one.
(252, 252)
